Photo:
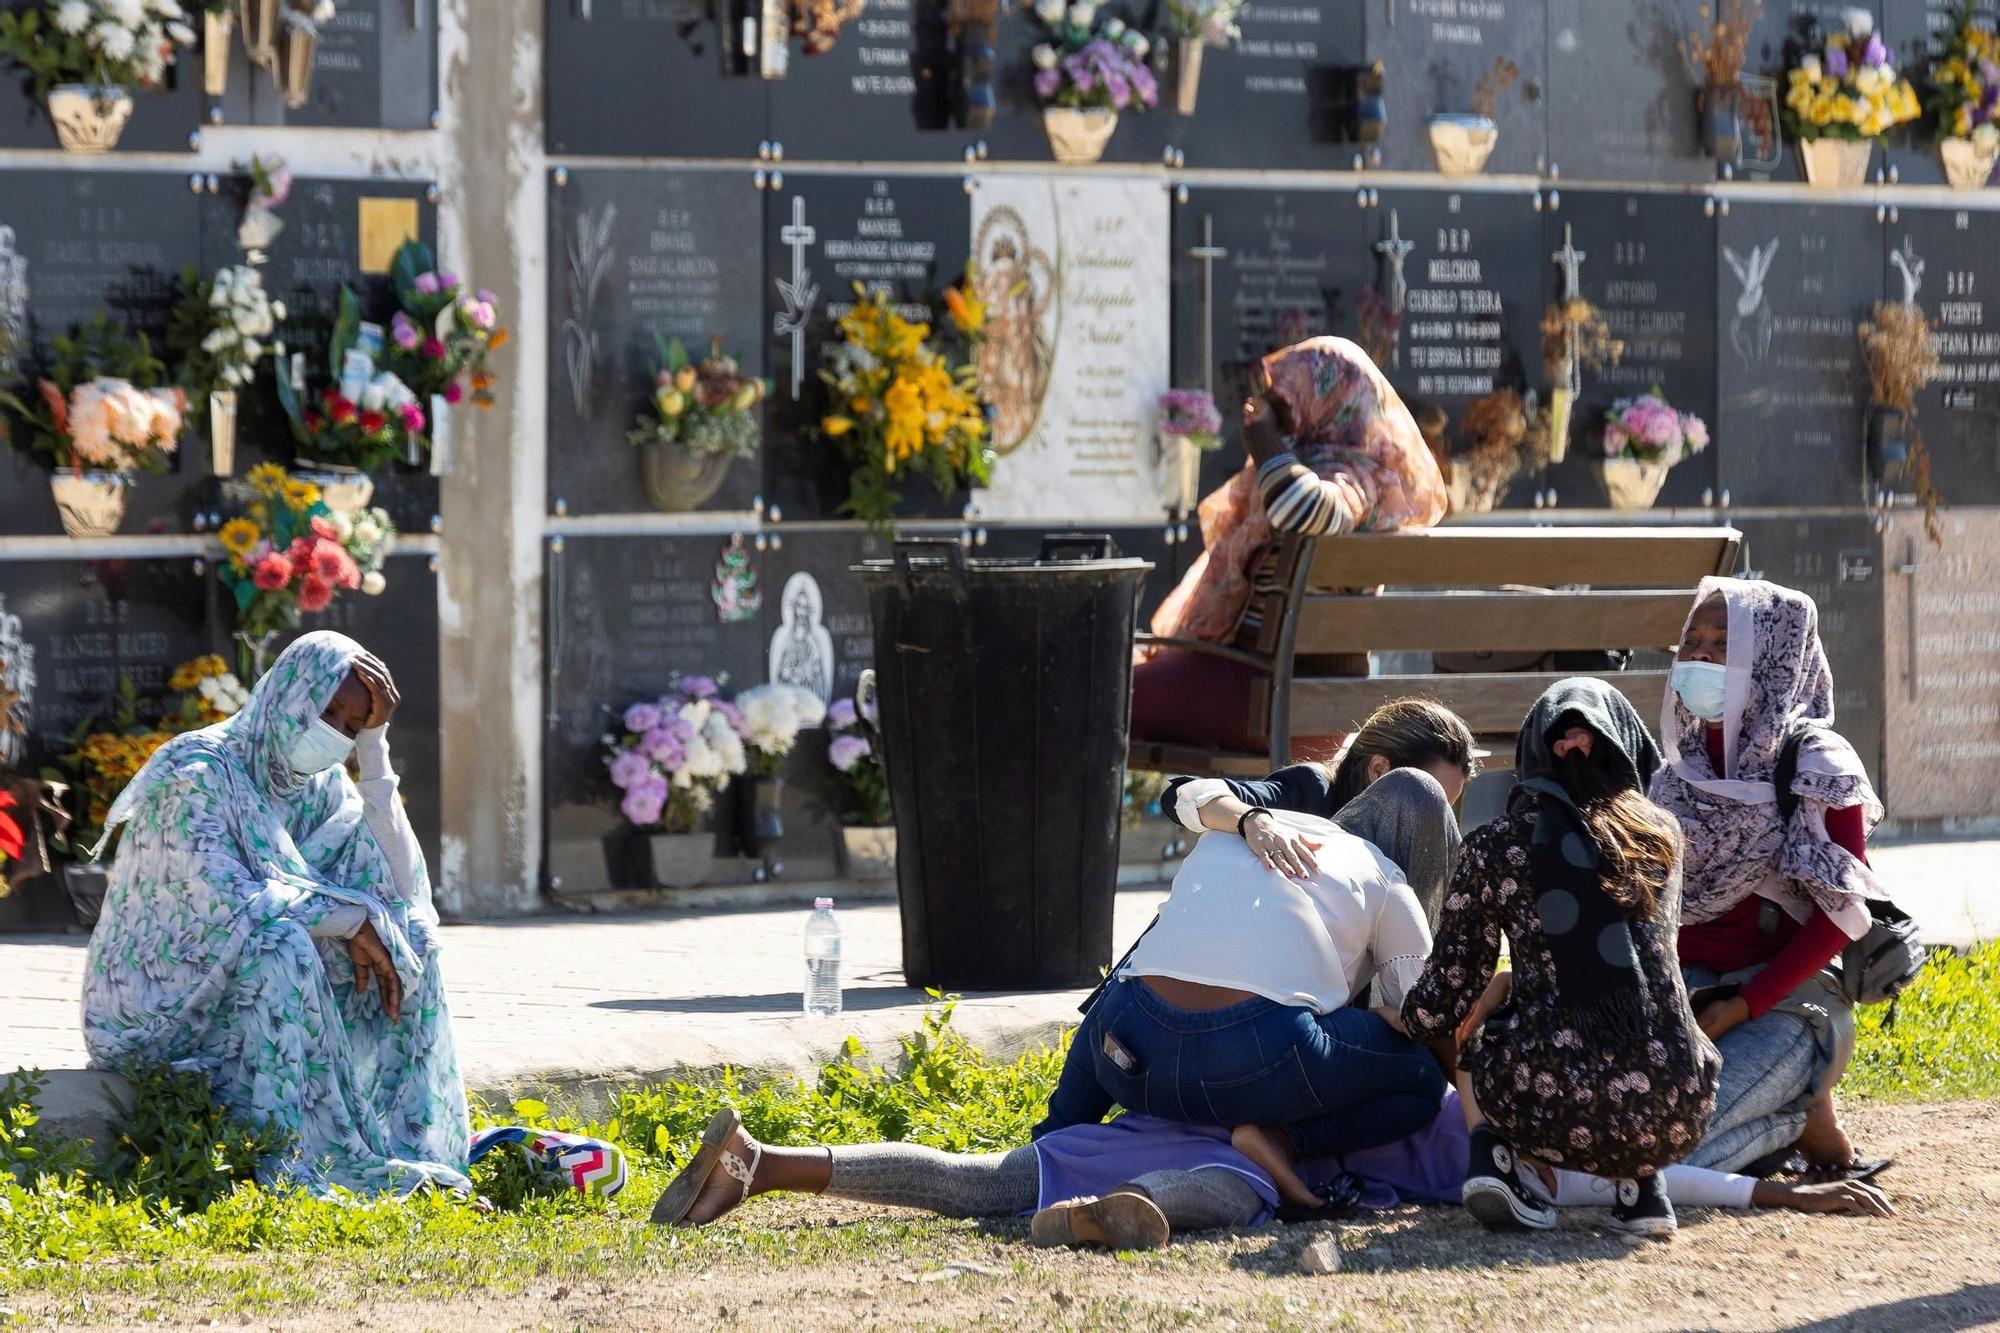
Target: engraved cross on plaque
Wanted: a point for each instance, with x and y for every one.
(799, 293)
(1571, 261)
(1208, 252)
(1395, 249)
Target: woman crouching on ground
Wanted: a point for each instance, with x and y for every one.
(1593, 1061)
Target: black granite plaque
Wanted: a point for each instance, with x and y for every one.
(1280, 97)
(636, 256)
(823, 234)
(401, 628)
(1637, 253)
(161, 122)
(1946, 261)
(883, 93)
(1436, 52)
(1794, 282)
(74, 245)
(1621, 102)
(1917, 31)
(1837, 561)
(1256, 270)
(1472, 315)
(624, 615)
(319, 250)
(646, 78)
(376, 65)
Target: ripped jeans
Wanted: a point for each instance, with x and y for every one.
(1770, 1066)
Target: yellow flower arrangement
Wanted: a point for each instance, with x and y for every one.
(1849, 89)
(238, 535)
(268, 480)
(1962, 100)
(909, 407)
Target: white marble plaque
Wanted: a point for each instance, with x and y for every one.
(1074, 273)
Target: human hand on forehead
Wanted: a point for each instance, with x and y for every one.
(367, 697)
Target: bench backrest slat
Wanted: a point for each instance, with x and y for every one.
(1468, 622)
(1540, 557)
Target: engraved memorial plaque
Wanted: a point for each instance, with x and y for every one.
(1941, 612)
(637, 257)
(1621, 103)
(1276, 98)
(1794, 283)
(651, 78)
(1917, 32)
(883, 93)
(1437, 51)
(1945, 260)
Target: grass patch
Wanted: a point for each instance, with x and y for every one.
(137, 1230)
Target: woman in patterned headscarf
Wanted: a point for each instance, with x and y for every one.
(1332, 450)
(270, 923)
(1768, 903)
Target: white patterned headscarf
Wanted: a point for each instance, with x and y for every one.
(1777, 678)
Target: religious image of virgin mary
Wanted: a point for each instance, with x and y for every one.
(1017, 283)
(802, 650)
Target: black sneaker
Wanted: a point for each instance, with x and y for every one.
(1494, 1194)
(1642, 1208)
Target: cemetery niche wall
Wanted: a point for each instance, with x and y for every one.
(1515, 205)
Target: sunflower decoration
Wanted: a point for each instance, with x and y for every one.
(903, 404)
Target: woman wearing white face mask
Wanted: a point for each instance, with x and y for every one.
(270, 923)
(1768, 902)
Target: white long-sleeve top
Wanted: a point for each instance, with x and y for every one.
(382, 806)
(1314, 943)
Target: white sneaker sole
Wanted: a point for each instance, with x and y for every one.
(1500, 1209)
(1651, 1228)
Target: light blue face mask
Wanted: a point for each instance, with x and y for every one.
(1702, 687)
(319, 747)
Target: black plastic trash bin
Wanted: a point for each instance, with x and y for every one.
(1005, 689)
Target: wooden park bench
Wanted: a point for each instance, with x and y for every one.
(1476, 589)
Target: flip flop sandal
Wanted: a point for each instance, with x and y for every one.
(1114, 1222)
(686, 1187)
(1854, 1170)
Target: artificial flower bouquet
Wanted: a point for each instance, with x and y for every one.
(1190, 415)
(903, 405)
(290, 556)
(675, 754)
(270, 187)
(367, 416)
(85, 56)
(1086, 72)
(102, 406)
(1841, 95)
(1644, 436)
(853, 750)
(770, 718)
(1962, 101)
(441, 337)
(708, 409)
(219, 334)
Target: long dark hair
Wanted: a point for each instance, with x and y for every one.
(1638, 843)
(1409, 733)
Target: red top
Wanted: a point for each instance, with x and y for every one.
(1791, 953)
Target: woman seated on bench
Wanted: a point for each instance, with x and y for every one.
(1332, 449)
(269, 923)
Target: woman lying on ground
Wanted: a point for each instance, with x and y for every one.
(1593, 1062)
(1233, 1008)
(1405, 733)
(1767, 904)
(270, 923)
(1331, 449)
(1135, 1182)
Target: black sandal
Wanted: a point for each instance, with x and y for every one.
(1339, 1197)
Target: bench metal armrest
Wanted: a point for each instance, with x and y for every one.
(1224, 651)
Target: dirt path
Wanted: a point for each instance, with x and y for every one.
(1930, 1267)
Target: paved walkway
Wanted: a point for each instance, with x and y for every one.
(573, 1004)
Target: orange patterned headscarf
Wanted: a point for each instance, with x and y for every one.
(1353, 431)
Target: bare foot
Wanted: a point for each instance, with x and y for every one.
(722, 1192)
(1271, 1150)
(1823, 1142)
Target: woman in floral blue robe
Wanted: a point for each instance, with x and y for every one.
(269, 923)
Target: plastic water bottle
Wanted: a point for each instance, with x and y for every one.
(822, 961)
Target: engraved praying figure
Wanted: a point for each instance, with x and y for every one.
(1750, 327)
(1911, 265)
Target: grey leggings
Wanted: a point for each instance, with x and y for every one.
(1008, 1184)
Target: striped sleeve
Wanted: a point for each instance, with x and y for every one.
(1296, 499)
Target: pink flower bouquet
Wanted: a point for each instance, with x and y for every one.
(1649, 429)
(675, 754)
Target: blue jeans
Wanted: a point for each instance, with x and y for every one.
(1768, 1068)
(1336, 1082)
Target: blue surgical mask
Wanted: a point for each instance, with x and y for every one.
(319, 747)
(1701, 686)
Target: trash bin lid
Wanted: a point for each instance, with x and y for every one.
(1062, 553)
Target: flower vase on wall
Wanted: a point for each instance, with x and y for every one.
(345, 490)
(88, 119)
(1078, 134)
(1632, 483)
(222, 432)
(259, 22)
(442, 442)
(678, 479)
(1463, 143)
(760, 812)
(1187, 73)
(1836, 164)
(774, 44)
(296, 54)
(867, 853)
(1888, 435)
(977, 101)
(680, 860)
(216, 30)
(1722, 124)
(1967, 166)
(91, 504)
